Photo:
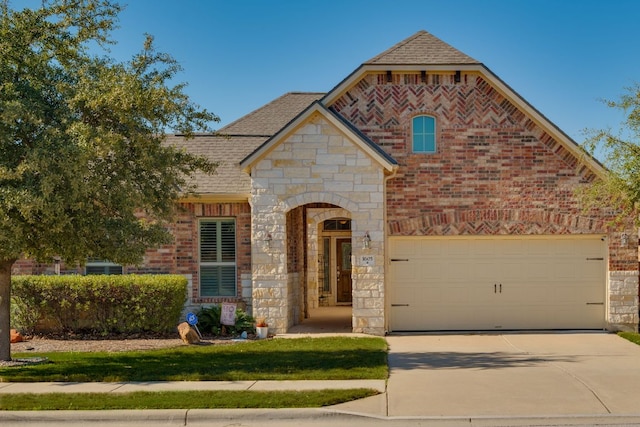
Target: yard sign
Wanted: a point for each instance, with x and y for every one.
(228, 314)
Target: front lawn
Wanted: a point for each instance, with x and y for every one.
(333, 358)
(180, 400)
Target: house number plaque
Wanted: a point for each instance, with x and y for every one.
(367, 260)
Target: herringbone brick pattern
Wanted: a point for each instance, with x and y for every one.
(497, 222)
(495, 171)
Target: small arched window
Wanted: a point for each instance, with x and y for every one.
(424, 134)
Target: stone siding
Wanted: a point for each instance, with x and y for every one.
(316, 164)
(623, 300)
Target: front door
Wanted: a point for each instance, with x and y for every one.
(343, 271)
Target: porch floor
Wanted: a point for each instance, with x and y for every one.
(325, 320)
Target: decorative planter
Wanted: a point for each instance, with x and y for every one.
(262, 332)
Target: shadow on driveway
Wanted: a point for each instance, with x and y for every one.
(458, 360)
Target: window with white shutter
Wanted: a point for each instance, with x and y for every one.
(217, 258)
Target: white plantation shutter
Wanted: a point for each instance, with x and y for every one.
(218, 258)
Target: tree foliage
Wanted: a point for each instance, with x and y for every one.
(84, 171)
(619, 189)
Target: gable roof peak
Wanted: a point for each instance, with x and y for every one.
(422, 48)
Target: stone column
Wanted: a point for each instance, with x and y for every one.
(368, 269)
(269, 263)
(623, 301)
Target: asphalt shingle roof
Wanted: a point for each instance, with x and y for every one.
(422, 48)
(228, 178)
(272, 117)
(237, 140)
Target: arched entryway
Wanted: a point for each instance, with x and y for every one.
(316, 162)
(323, 285)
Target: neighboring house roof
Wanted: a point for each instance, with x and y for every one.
(421, 48)
(360, 139)
(237, 140)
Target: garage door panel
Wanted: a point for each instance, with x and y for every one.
(428, 252)
(510, 294)
(406, 271)
(404, 295)
(579, 294)
(446, 318)
(588, 270)
(430, 272)
(456, 296)
(456, 271)
(483, 271)
(479, 283)
(535, 272)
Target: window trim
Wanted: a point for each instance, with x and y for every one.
(234, 263)
(435, 132)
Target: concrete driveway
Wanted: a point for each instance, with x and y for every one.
(547, 374)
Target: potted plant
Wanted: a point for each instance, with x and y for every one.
(262, 328)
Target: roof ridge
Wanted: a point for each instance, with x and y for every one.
(421, 48)
(396, 46)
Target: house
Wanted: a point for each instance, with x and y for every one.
(421, 190)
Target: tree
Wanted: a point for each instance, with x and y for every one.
(619, 189)
(83, 168)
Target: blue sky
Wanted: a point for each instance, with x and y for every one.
(562, 56)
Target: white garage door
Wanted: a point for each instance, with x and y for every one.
(495, 283)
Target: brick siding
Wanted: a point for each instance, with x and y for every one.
(180, 257)
(495, 171)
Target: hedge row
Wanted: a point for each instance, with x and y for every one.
(97, 303)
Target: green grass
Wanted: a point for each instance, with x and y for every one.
(334, 358)
(634, 337)
(180, 400)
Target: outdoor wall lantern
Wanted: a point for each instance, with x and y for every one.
(366, 240)
(56, 265)
(624, 239)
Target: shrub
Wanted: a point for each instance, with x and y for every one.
(209, 322)
(98, 304)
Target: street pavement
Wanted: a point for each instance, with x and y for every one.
(519, 379)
